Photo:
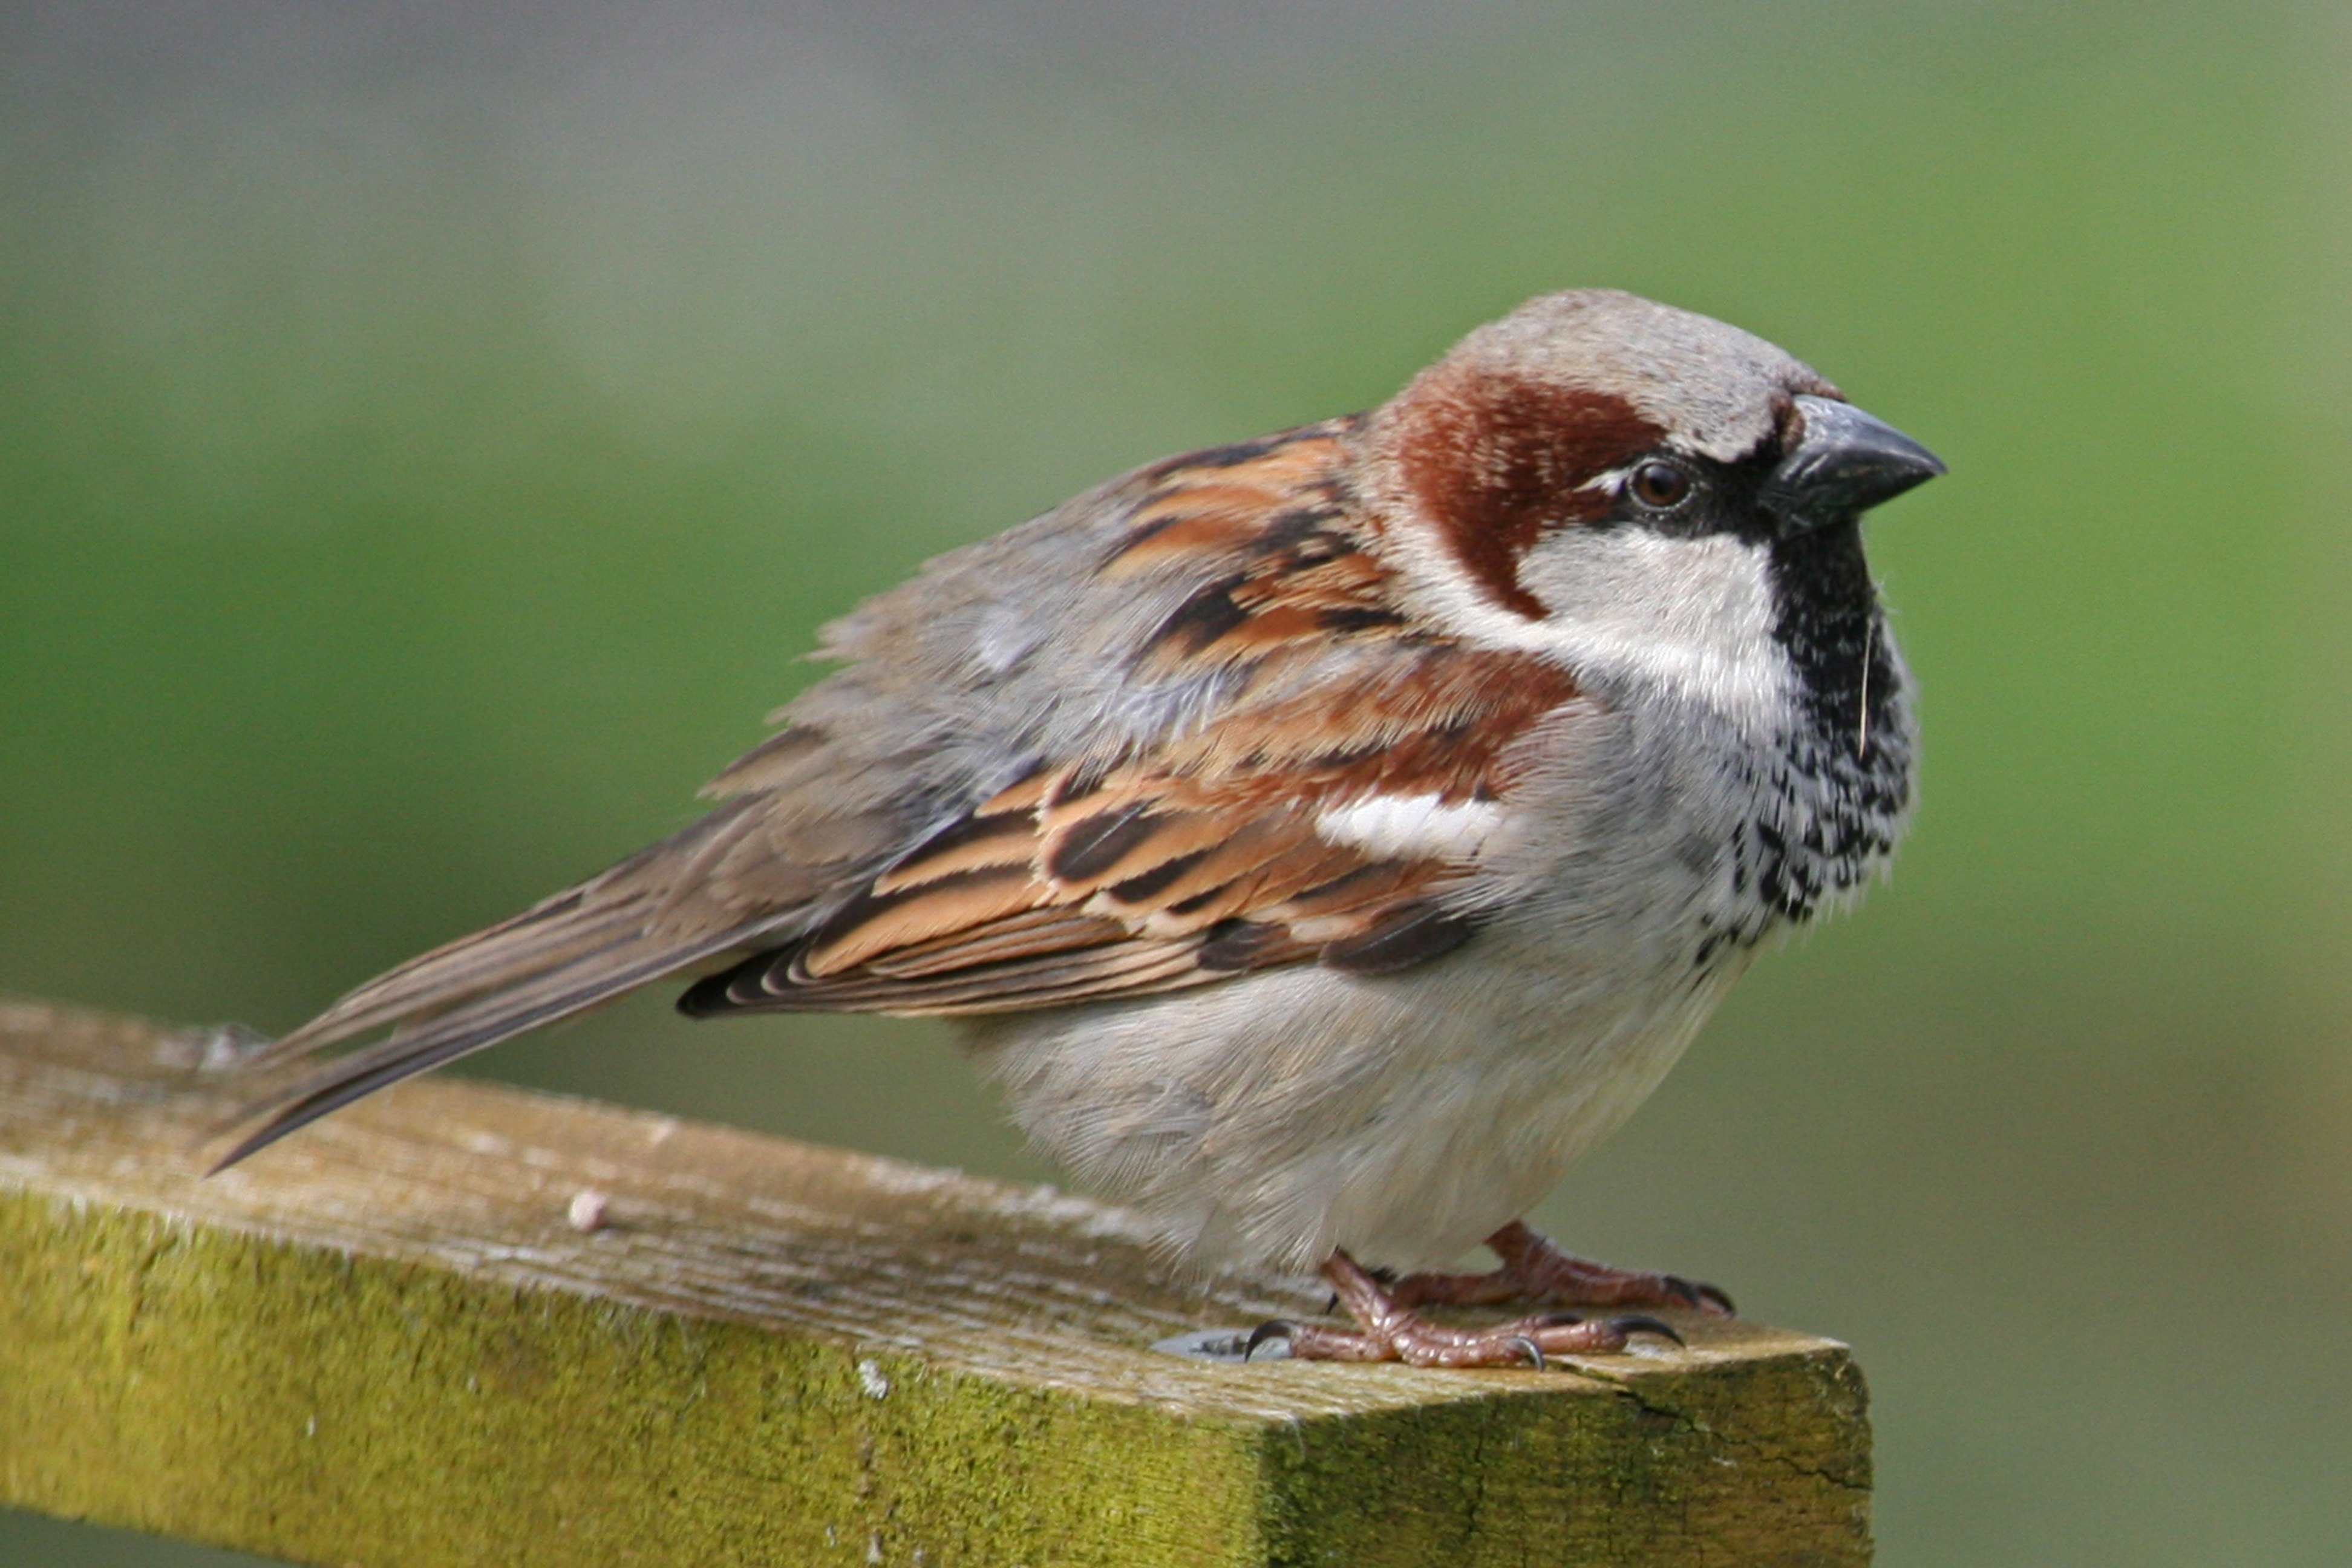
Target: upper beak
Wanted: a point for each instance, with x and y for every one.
(1846, 463)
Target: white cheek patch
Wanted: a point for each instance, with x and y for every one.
(1422, 825)
(1694, 615)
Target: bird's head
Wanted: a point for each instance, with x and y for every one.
(1626, 483)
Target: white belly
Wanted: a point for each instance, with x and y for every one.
(1271, 1118)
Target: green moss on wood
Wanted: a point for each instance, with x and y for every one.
(167, 1365)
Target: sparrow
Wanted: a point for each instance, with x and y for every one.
(1324, 839)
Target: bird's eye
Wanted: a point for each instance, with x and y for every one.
(1659, 485)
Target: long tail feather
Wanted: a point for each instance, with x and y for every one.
(584, 984)
(648, 917)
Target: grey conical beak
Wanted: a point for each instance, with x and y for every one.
(1846, 463)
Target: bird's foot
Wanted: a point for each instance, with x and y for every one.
(1537, 1273)
(1387, 1329)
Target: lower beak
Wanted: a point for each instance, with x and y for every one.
(1846, 463)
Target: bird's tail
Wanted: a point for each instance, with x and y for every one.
(584, 946)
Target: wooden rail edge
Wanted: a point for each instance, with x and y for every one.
(386, 1344)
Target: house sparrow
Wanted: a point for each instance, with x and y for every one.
(1324, 838)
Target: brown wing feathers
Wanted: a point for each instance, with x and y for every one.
(1203, 858)
(1145, 882)
(1090, 877)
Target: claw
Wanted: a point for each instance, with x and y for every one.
(1534, 1350)
(1702, 1297)
(1271, 1329)
(1641, 1325)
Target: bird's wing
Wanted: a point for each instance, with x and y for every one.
(1176, 727)
(1330, 822)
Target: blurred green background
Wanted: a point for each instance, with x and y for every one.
(429, 435)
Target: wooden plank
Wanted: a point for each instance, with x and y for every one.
(383, 1344)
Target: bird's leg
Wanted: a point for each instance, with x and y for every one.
(1386, 1330)
(1537, 1273)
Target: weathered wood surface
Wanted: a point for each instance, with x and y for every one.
(382, 1343)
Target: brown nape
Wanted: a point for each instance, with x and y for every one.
(1495, 461)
